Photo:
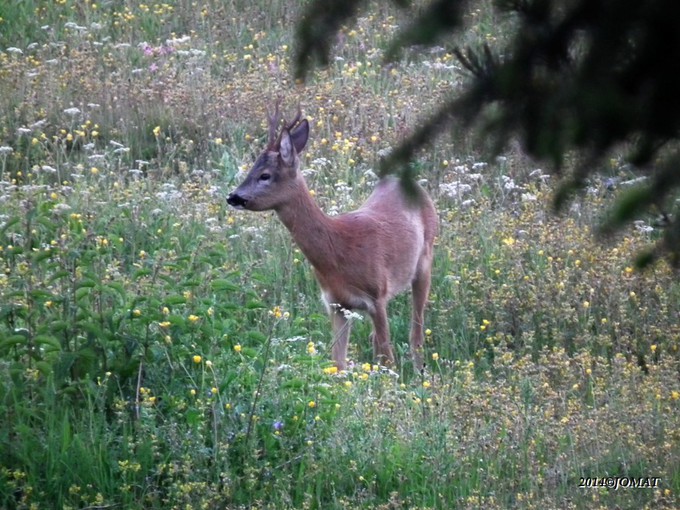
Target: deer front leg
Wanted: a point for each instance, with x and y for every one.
(341, 330)
(382, 347)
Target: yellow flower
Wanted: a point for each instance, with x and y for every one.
(653, 347)
(197, 359)
(237, 348)
(428, 332)
(366, 367)
(312, 404)
(330, 370)
(435, 356)
(194, 318)
(136, 312)
(157, 131)
(311, 349)
(164, 324)
(94, 170)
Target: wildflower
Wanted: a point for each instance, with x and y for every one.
(311, 349)
(193, 318)
(276, 312)
(164, 324)
(136, 312)
(435, 356)
(237, 348)
(653, 348)
(208, 364)
(312, 404)
(157, 131)
(330, 370)
(348, 384)
(675, 395)
(426, 384)
(366, 367)
(197, 359)
(428, 332)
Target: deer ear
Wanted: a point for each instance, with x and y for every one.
(287, 149)
(300, 135)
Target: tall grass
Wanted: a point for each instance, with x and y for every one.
(160, 350)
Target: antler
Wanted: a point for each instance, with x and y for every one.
(274, 122)
(294, 122)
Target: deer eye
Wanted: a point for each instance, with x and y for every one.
(265, 177)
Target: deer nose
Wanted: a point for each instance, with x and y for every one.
(235, 200)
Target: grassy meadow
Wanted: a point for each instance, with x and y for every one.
(161, 350)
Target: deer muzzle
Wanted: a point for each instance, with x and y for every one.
(236, 200)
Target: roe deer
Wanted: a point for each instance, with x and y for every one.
(362, 258)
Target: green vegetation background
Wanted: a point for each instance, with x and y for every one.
(159, 350)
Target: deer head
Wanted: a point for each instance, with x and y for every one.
(275, 171)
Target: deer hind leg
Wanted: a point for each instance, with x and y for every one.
(382, 347)
(341, 329)
(420, 289)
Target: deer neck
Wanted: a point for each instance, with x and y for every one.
(310, 227)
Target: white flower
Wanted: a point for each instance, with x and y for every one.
(72, 111)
